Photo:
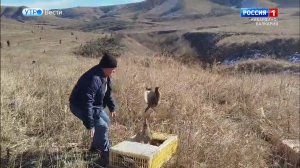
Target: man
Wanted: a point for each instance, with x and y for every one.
(90, 96)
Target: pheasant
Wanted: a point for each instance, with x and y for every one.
(151, 98)
(145, 134)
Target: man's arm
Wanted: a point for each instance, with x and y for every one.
(108, 99)
(89, 100)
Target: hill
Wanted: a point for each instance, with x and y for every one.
(151, 8)
(206, 30)
(13, 13)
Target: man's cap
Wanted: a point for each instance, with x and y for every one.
(108, 61)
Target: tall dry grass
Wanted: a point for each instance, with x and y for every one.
(217, 116)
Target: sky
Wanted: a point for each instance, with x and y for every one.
(58, 4)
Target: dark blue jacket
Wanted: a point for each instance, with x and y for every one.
(89, 94)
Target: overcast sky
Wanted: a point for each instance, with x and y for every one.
(51, 4)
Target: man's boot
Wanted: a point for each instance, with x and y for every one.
(104, 159)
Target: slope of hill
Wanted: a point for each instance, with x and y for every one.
(148, 8)
(82, 13)
(152, 22)
(8, 11)
(287, 3)
(13, 13)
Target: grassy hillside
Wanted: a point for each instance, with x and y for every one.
(154, 9)
(221, 119)
(264, 66)
(82, 12)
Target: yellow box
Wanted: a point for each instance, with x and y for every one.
(138, 155)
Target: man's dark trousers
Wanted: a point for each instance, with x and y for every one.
(101, 124)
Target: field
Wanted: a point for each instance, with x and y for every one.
(222, 119)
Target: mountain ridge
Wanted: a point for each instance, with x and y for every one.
(148, 9)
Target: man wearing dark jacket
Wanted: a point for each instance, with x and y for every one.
(90, 96)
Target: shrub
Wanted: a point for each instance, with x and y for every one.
(96, 48)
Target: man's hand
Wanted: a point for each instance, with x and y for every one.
(113, 114)
(92, 132)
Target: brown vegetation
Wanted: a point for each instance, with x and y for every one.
(264, 66)
(220, 118)
(215, 115)
(96, 48)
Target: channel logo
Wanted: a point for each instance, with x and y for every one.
(259, 12)
(32, 12)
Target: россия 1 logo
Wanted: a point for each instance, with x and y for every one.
(259, 12)
(39, 12)
(261, 16)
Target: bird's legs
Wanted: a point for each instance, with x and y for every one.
(147, 113)
(146, 132)
(147, 108)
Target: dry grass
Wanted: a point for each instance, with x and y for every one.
(215, 115)
(264, 66)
